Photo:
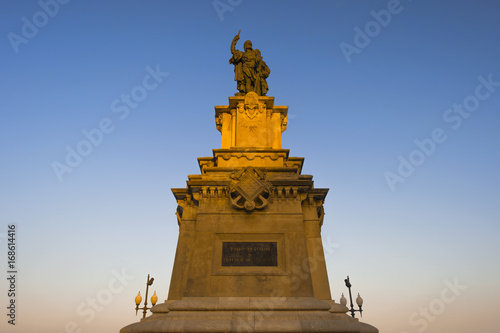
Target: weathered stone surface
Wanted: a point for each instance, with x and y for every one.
(250, 193)
(250, 314)
(251, 121)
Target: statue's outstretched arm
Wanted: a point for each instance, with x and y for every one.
(235, 40)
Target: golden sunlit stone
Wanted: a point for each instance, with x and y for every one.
(249, 256)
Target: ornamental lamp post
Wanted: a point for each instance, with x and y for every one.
(359, 300)
(138, 299)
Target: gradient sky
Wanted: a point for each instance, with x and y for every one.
(358, 102)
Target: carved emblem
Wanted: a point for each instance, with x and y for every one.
(218, 122)
(284, 121)
(251, 106)
(249, 189)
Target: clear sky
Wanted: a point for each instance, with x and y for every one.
(395, 106)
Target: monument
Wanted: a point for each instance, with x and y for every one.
(249, 256)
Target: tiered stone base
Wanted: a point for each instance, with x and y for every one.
(249, 314)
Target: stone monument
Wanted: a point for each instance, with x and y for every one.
(249, 256)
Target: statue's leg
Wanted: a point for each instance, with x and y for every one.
(249, 86)
(257, 88)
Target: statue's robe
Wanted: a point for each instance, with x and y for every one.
(245, 72)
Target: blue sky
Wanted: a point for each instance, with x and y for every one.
(87, 238)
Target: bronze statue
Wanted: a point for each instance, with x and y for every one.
(250, 71)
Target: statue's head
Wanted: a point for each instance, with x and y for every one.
(248, 45)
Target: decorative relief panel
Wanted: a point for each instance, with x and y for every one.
(251, 106)
(248, 189)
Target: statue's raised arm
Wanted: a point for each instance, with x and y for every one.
(235, 40)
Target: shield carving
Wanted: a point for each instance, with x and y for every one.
(251, 105)
(249, 190)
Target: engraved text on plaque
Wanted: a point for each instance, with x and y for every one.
(249, 254)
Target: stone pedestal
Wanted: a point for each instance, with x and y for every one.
(249, 256)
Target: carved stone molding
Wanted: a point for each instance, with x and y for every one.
(287, 192)
(186, 209)
(213, 192)
(206, 163)
(250, 157)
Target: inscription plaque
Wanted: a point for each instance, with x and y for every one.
(249, 254)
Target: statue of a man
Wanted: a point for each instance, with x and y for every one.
(250, 71)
